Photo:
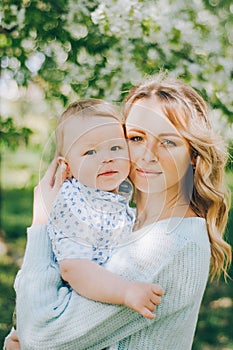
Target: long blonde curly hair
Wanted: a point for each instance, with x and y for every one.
(210, 198)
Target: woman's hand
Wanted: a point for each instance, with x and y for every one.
(12, 341)
(46, 191)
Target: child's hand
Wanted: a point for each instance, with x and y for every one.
(143, 297)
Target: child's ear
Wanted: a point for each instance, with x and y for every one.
(63, 163)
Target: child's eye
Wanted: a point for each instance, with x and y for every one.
(89, 152)
(168, 143)
(115, 148)
(135, 138)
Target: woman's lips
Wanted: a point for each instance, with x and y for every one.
(144, 172)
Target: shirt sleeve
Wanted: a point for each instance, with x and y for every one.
(68, 241)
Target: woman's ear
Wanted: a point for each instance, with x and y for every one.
(194, 158)
(193, 163)
(64, 164)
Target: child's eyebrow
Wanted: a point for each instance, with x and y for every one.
(88, 145)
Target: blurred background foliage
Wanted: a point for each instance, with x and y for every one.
(53, 52)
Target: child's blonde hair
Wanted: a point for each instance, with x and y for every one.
(187, 111)
(90, 107)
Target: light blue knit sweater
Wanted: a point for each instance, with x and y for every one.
(174, 253)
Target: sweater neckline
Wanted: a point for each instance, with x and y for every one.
(173, 218)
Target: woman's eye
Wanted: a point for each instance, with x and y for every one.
(115, 148)
(168, 143)
(90, 152)
(135, 138)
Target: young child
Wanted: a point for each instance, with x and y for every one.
(91, 215)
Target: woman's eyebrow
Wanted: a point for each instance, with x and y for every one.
(170, 134)
(136, 130)
(163, 134)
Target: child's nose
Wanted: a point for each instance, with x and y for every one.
(107, 160)
(107, 157)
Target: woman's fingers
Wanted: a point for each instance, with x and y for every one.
(45, 192)
(55, 174)
(12, 342)
(60, 176)
(50, 173)
(14, 336)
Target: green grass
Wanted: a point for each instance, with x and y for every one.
(214, 329)
(16, 211)
(16, 205)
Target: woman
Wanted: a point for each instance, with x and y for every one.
(177, 170)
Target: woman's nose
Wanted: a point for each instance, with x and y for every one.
(150, 153)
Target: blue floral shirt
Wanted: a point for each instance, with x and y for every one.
(89, 223)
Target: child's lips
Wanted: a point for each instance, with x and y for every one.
(108, 173)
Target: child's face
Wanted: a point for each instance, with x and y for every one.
(97, 152)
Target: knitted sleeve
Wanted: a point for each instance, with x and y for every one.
(51, 316)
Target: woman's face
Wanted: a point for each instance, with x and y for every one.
(159, 155)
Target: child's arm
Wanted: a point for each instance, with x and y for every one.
(94, 282)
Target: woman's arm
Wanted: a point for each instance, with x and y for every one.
(52, 316)
(46, 306)
(96, 283)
